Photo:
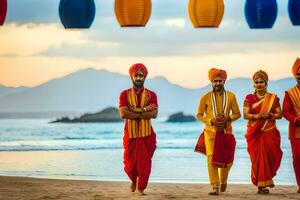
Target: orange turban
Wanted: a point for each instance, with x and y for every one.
(214, 73)
(261, 74)
(136, 68)
(296, 67)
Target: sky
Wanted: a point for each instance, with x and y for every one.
(35, 48)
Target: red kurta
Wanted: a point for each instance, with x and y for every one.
(263, 145)
(138, 152)
(290, 114)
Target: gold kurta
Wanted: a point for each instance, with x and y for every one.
(205, 114)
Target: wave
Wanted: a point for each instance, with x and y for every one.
(87, 148)
(76, 138)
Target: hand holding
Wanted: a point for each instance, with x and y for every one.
(138, 110)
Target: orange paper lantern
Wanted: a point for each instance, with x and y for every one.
(206, 13)
(132, 12)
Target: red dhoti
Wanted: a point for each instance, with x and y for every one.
(137, 157)
(295, 144)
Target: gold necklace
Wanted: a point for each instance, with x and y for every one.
(260, 96)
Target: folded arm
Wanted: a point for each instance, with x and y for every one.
(147, 112)
(126, 113)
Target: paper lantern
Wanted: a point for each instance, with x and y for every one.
(78, 14)
(294, 11)
(206, 13)
(132, 12)
(261, 13)
(3, 10)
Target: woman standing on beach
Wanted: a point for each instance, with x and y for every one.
(261, 109)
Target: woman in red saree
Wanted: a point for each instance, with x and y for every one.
(261, 109)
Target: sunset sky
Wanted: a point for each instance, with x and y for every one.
(35, 48)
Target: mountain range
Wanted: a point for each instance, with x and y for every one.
(92, 90)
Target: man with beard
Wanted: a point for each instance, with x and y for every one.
(217, 109)
(138, 105)
(291, 111)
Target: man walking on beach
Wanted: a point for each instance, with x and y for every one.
(217, 109)
(137, 105)
(291, 111)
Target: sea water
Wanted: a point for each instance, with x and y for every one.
(93, 151)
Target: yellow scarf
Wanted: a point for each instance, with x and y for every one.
(142, 127)
(267, 105)
(294, 94)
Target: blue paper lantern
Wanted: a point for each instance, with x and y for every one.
(77, 13)
(261, 13)
(294, 12)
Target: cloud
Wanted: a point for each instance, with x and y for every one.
(177, 37)
(31, 39)
(176, 22)
(168, 33)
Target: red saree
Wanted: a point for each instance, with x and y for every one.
(263, 139)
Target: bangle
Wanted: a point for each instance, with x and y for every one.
(145, 109)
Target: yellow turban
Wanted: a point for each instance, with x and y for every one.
(214, 73)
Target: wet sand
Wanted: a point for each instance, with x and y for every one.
(17, 188)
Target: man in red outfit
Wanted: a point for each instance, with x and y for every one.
(138, 105)
(291, 111)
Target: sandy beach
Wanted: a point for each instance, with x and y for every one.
(17, 188)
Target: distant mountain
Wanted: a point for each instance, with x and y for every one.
(10, 90)
(90, 90)
(87, 90)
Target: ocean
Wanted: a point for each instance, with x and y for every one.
(93, 151)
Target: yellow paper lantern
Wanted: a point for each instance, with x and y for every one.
(132, 12)
(206, 13)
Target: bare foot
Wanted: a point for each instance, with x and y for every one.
(141, 193)
(132, 186)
